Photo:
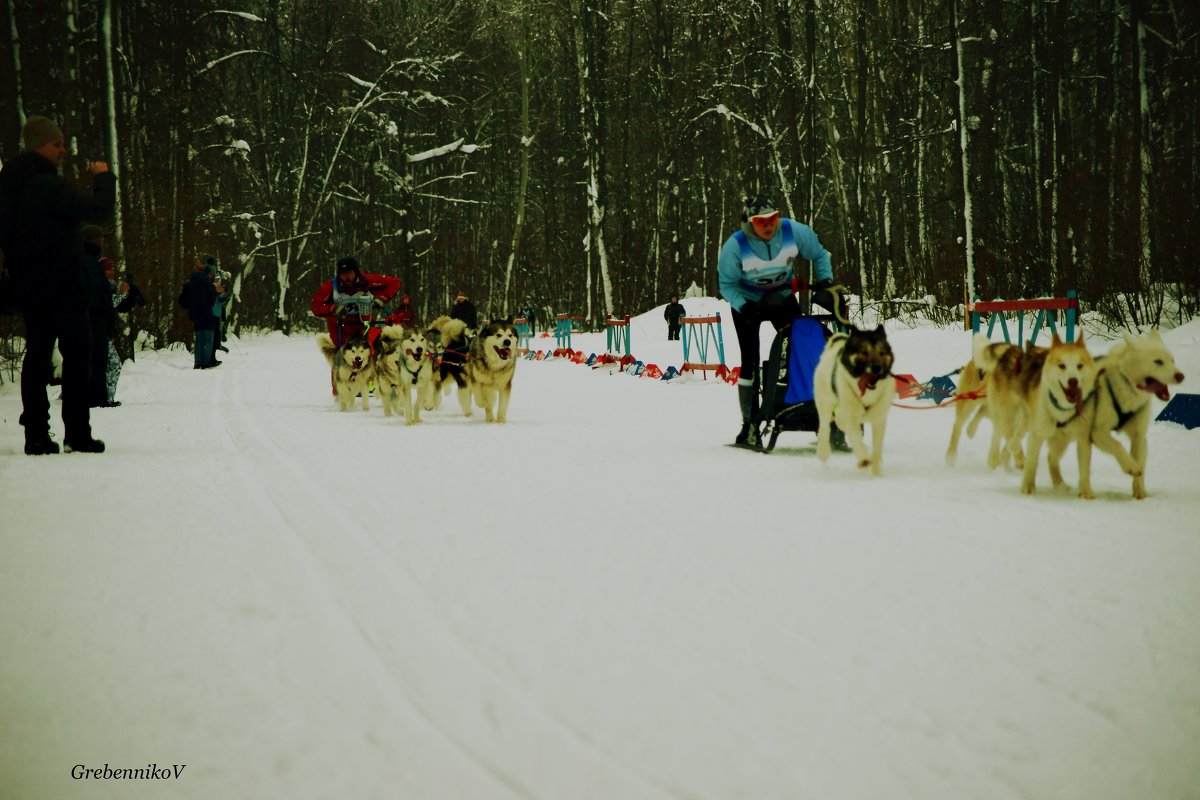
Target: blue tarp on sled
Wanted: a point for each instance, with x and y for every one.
(807, 343)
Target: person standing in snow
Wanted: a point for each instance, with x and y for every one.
(221, 284)
(404, 313)
(198, 296)
(41, 221)
(673, 314)
(464, 309)
(754, 271)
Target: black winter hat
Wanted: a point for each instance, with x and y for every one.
(759, 204)
(346, 264)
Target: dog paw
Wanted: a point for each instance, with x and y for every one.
(1028, 488)
(1087, 494)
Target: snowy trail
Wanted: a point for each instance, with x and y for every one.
(595, 600)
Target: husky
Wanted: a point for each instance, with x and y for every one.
(1053, 403)
(404, 371)
(969, 400)
(1010, 370)
(491, 364)
(1132, 372)
(353, 368)
(451, 339)
(853, 385)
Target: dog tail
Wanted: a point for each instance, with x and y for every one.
(326, 346)
(985, 353)
(389, 338)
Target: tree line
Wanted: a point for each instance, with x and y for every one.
(591, 156)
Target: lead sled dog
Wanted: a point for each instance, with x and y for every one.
(491, 365)
(1133, 372)
(1047, 396)
(452, 340)
(404, 372)
(853, 386)
(353, 368)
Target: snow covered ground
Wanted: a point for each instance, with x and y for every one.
(595, 600)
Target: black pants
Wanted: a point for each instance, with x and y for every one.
(672, 330)
(779, 310)
(70, 327)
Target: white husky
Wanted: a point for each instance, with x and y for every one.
(1133, 372)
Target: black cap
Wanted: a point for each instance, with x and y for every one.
(347, 264)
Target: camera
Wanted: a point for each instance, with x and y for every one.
(135, 293)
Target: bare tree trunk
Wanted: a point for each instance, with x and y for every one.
(110, 113)
(964, 143)
(523, 186)
(15, 42)
(1145, 166)
(588, 41)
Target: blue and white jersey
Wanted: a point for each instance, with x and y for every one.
(749, 267)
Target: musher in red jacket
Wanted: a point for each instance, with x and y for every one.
(349, 300)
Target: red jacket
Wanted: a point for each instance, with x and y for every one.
(383, 287)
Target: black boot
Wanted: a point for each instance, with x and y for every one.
(748, 435)
(88, 445)
(837, 439)
(40, 445)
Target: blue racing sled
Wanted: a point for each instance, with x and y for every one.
(785, 391)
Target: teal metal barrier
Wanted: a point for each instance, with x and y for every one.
(700, 336)
(1046, 309)
(617, 335)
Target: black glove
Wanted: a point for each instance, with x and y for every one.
(749, 309)
(828, 295)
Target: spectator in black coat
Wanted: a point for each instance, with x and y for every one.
(464, 309)
(198, 296)
(673, 314)
(41, 221)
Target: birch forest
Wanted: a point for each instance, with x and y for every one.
(591, 156)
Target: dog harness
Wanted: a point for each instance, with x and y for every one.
(1123, 416)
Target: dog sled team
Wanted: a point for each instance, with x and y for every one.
(1035, 396)
(1061, 395)
(410, 367)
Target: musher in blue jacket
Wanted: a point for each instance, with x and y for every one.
(755, 271)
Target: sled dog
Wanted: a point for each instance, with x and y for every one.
(1009, 369)
(404, 371)
(491, 364)
(451, 339)
(1055, 402)
(353, 368)
(853, 385)
(1132, 372)
(968, 401)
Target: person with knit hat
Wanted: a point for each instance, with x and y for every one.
(755, 271)
(338, 299)
(41, 224)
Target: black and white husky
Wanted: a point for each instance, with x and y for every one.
(853, 385)
(353, 368)
(491, 364)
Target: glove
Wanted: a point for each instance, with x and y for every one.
(749, 309)
(828, 294)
